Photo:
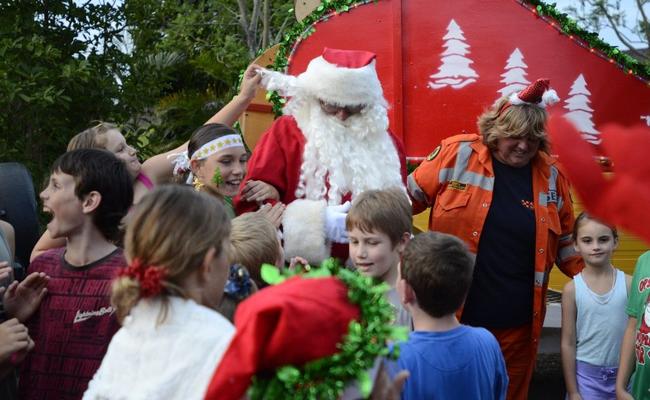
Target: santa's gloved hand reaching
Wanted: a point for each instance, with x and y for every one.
(335, 223)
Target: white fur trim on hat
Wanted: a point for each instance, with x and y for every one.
(550, 97)
(285, 85)
(340, 85)
(303, 225)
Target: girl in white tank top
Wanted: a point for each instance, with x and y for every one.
(593, 314)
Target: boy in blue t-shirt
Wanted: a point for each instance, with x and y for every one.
(445, 359)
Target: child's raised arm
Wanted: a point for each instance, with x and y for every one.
(568, 341)
(45, 243)
(159, 168)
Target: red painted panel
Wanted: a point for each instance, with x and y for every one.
(449, 72)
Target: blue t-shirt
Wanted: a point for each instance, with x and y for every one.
(462, 363)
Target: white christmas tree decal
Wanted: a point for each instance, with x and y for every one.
(580, 112)
(455, 70)
(514, 76)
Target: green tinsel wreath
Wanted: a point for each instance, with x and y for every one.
(365, 341)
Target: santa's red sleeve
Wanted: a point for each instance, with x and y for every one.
(276, 160)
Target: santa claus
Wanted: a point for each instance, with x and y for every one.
(331, 144)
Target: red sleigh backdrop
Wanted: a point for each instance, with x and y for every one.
(442, 62)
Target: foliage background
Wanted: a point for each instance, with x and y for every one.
(157, 68)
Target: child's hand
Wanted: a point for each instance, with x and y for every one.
(574, 396)
(250, 82)
(19, 356)
(387, 389)
(6, 273)
(14, 338)
(623, 395)
(22, 299)
(259, 191)
(295, 261)
(273, 213)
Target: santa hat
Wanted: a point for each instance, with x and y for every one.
(538, 93)
(283, 329)
(342, 77)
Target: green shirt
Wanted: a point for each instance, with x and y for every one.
(638, 307)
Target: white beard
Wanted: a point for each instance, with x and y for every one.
(351, 156)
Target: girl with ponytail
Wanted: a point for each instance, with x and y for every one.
(171, 338)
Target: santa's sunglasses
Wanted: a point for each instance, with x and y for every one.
(333, 109)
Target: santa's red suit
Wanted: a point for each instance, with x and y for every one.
(332, 144)
(276, 160)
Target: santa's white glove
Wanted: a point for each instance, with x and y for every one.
(335, 222)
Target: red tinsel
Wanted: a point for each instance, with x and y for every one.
(150, 277)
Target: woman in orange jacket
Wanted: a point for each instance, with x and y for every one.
(503, 194)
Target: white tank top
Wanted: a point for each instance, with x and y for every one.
(600, 322)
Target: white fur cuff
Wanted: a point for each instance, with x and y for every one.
(304, 231)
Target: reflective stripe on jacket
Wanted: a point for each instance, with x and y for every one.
(457, 181)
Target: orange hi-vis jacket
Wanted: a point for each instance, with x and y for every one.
(457, 181)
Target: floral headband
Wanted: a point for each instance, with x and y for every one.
(181, 161)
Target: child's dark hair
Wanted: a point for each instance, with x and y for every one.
(100, 171)
(584, 217)
(205, 134)
(439, 268)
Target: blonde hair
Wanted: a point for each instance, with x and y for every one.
(254, 242)
(91, 138)
(513, 121)
(172, 227)
(387, 211)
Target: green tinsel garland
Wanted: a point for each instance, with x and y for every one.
(302, 29)
(366, 340)
(570, 27)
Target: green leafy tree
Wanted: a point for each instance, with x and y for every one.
(58, 63)
(197, 50)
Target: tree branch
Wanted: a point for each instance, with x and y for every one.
(618, 33)
(265, 25)
(278, 34)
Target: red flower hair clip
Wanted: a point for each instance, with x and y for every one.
(150, 277)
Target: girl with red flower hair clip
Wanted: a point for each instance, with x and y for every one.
(171, 338)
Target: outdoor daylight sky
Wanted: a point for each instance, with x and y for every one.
(607, 34)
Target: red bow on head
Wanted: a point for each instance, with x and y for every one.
(150, 277)
(623, 200)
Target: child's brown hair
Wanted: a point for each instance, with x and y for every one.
(387, 211)
(586, 217)
(173, 227)
(92, 138)
(439, 268)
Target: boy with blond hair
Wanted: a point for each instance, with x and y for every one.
(379, 226)
(446, 360)
(255, 241)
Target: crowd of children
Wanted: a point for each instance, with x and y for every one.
(142, 288)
